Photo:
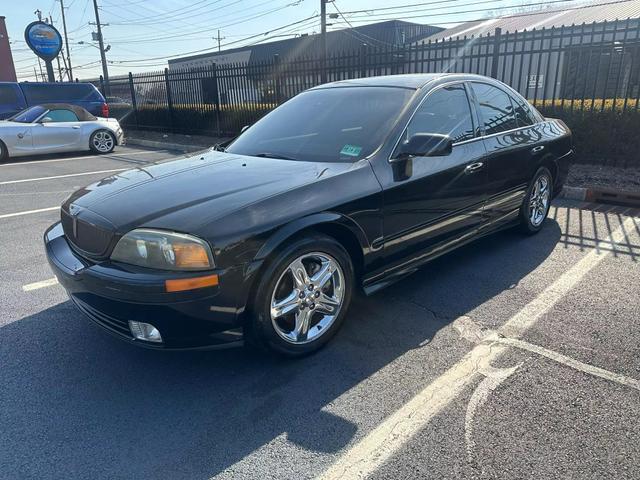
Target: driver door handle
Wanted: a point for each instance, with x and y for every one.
(474, 167)
(76, 127)
(537, 149)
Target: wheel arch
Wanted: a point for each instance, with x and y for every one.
(550, 163)
(4, 150)
(335, 225)
(99, 128)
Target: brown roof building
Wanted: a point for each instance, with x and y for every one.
(7, 69)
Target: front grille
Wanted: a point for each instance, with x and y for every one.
(115, 325)
(90, 239)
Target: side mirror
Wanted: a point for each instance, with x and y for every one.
(425, 145)
(45, 120)
(244, 128)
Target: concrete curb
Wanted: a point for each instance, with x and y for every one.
(601, 195)
(168, 146)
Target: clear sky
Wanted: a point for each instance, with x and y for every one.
(142, 33)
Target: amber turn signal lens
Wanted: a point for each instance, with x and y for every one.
(190, 255)
(183, 284)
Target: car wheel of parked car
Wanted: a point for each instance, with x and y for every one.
(537, 201)
(4, 154)
(102, 141)
(302, 296)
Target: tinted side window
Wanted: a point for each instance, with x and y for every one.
(60, 93)
(524, 115)
(445, 111)
(8, 95)
(61, 116)
(496, 110)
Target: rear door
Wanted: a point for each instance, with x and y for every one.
(435, 200)
(511, 147)
(59, 130)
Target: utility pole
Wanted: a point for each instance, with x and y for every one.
(66, 41)
(41, 73)
(323, 39)
(219, 38)
(59, 68)
(50, 21)
(103, 57)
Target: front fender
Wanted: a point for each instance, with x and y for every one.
(285, 232)
(317, 219)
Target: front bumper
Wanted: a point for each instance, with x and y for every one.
(120, 136)
(111, 294)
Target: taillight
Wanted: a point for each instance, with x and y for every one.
(105, 110)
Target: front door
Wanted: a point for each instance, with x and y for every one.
(58, 130)
(433, 201)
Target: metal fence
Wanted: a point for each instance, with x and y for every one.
(584, 69)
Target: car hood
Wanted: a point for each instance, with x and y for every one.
(185, 194)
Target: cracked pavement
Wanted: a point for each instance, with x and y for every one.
(76, 403)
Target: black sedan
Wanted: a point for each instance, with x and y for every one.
(348, 185)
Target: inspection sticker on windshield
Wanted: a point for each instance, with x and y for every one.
(351, 150)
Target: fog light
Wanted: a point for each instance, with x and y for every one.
(145, 331)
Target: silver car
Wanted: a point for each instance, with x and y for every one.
(55, 128)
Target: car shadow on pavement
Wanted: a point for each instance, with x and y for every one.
(77, 403)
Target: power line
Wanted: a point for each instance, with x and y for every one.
(189, 15)
(355, 34)
(478, 19)
(210, 49)
(475, 10)
(169, 13)
(207, 30)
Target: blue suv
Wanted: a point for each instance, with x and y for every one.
(18, 96)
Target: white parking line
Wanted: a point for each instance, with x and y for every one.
(374, 449)
(29, 212)
(115, 156)
(571, 362)
(42, 284)
(9, 182)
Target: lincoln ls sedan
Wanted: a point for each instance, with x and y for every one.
(348, 186)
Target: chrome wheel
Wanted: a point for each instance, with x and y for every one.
(539, 200)
(307, 298)
(103, 141)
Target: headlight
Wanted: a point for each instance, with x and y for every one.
(163, 250)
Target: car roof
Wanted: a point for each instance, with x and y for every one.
(80, 112)
(410, 80)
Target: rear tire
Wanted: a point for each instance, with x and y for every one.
(537, 201)
(102, 141)
(296, 312)
(4, 154)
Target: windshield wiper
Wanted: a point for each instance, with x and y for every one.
(273, 155)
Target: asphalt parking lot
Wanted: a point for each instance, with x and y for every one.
(515, 357)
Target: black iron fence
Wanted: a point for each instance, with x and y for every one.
(587, 74)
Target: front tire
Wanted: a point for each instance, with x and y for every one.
(4, 153)
(537, 202)
(302, 297)
(102, 141)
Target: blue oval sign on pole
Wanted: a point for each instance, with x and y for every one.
(43, 39)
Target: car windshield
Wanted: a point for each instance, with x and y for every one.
(326, 125)
(29, 115)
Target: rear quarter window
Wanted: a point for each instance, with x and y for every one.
(9, 95)
(65, 93)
